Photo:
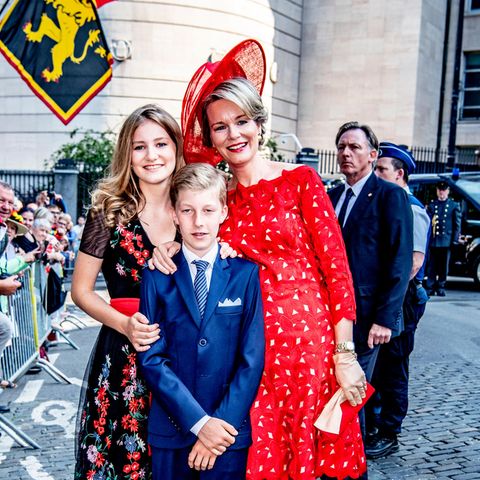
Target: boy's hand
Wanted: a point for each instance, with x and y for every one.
(217, 435)
(200, 458)
(162, 257)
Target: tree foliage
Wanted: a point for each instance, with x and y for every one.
(90, 151)
(271, 146)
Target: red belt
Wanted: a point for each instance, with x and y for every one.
(127, 306)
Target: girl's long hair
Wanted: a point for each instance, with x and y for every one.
(118, 196)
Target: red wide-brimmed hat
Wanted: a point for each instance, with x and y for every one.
(246, 60)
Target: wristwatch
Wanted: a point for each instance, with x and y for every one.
(345, 347)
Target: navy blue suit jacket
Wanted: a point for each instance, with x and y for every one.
(378, 236)
(202, 367)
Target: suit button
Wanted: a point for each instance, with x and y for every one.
(202, 342)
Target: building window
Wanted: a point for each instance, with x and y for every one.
(471, 86)
(474, 5)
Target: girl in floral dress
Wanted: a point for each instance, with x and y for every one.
(130, 213)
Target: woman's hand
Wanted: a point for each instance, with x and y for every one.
(30, 256)
(56, 257)
(350, 377)
(140, 333)
(162, 257)
(226, 251)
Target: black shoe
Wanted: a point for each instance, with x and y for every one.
(430, 292)
(34, 370)
(371, 434)
(441, 292)
(381, 446)
(4, 408)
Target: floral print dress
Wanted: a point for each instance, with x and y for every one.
(112, 421)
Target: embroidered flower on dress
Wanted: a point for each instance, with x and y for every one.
(92, 453)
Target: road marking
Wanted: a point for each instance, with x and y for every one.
(57, 412)
(76, 381)
(35, 469)
(30, 391)
(52, 357)
(6, 443)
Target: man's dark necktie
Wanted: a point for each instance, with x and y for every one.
(343, 210)
(200, 285)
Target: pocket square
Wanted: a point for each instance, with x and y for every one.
(230, 303)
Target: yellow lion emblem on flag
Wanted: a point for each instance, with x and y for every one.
(71, 16)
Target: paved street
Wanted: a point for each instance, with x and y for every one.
(441, 438)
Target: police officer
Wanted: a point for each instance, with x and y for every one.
(387, 409)
(446, 220)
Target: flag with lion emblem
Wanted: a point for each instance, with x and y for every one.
(59, 49)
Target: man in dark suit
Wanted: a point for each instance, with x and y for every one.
(205, 369)
(377, 225)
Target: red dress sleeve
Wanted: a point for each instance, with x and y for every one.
(326, 237)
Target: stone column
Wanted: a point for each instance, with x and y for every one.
(66, 184)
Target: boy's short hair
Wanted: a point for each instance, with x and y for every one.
(197, 177)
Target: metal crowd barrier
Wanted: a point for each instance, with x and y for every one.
(30, 328)
(23, 350)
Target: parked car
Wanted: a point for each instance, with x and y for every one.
(464, 189)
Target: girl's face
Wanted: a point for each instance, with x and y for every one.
(153, 154)
(28, 219)
(233, 133)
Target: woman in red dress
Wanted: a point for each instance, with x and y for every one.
(281, 218)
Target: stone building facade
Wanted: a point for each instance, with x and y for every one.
(328, 61)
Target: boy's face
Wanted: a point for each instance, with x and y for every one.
(11, 231)
(198, 214)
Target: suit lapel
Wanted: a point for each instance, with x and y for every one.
(183, 279)
(361, 204)
(218, 284)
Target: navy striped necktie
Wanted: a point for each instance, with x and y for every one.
(200, 285)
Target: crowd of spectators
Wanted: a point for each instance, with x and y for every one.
(42, 232)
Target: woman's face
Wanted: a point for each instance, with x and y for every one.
(233, 134)
(28, 219)
(153, 154)
(40, 233)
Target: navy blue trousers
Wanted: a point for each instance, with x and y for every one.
(387, 409)
(172, 464)
(367, 358)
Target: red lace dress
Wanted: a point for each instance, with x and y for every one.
(288, 227)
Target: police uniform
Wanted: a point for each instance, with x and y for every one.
(387, 409)
(446, 220)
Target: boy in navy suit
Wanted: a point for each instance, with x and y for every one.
(205, 369)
